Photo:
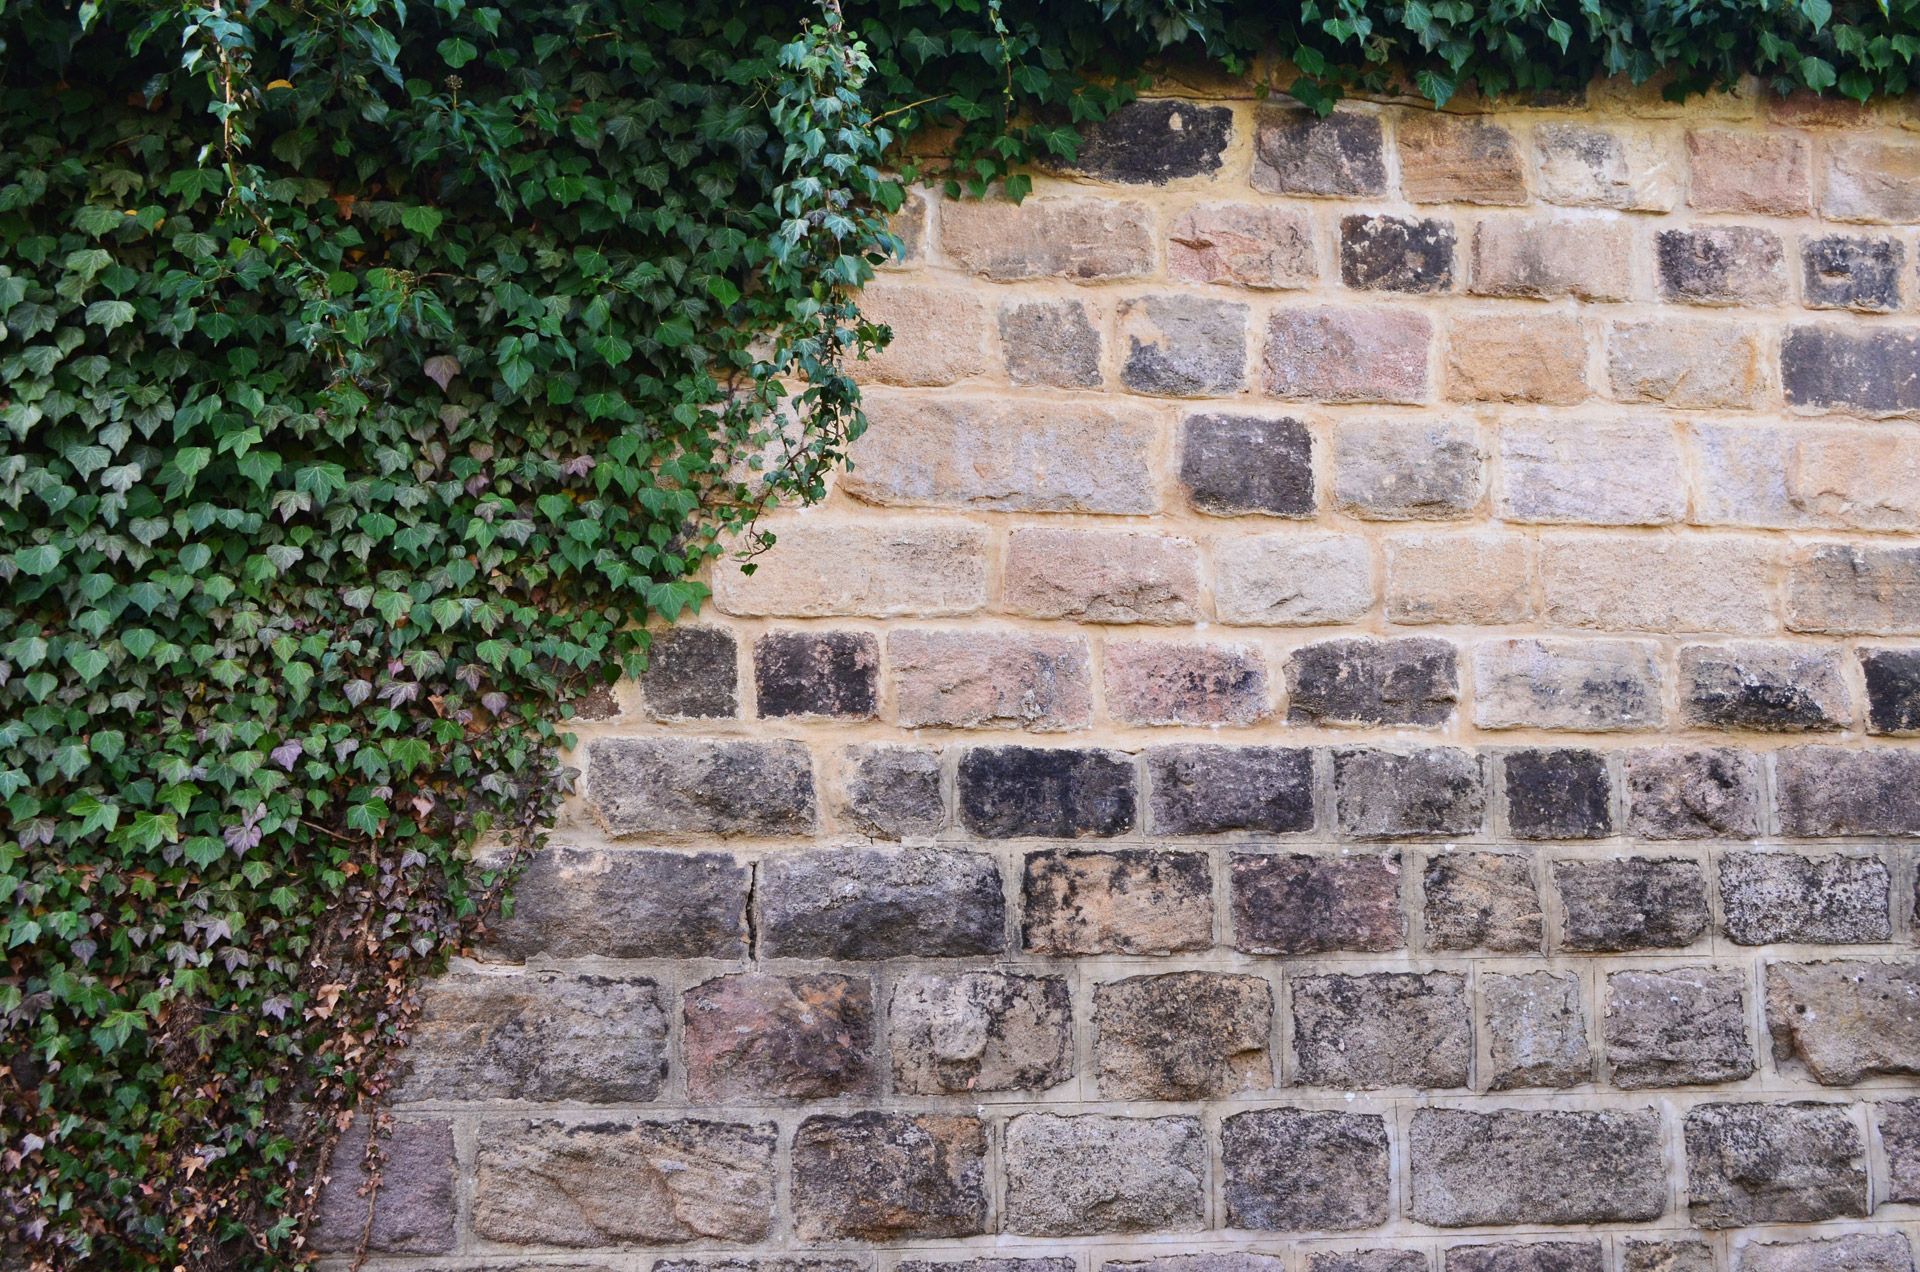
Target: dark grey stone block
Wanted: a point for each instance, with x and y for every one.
(693, 673)
(1235, 464)
(1773, 1163)
(1357, 680)
(1853, 273)
(808, 673)
(1292, 1170)
(1386, 253)
(1633, 904)
(1558, 794)
(875, 903)
(1009, 792)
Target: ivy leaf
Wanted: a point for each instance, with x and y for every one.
(36, 561)
(456, 52)
(109, 314)
(424, 222)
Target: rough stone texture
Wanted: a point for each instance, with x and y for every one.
(1359, 681)
(1845, 1020)
(1658, 584)
(1763, 174)
(1237, 464)
(980, 1031)
(939, 334)
(884, 570)
(1102, 576)
(413, 1212)
(1367, 1261)
(1858, 1252)
(1559, 794)
(1869, 180)
(1768, 897)
(1347, 355)
(1501, 358)
(603, 1183)
(875, 903)
(1633, 903)
(1183, 346)
(1050, 342)
(701, 786)
(1386, 253)
(1077, 1176)
(1184, 682)
(1762, 687)
(693, 673)
(1682, 1027)
(1893, 690)
(1866, 371)
(1536, 1256)
(1297, 152)
(1126, 901)
(1086, 240)
(1458, 578)
(1825, 790)
(891, 792)
(1580, 166)
(1013, 791)
(802, 1264)
(1482, 900)
(989, 1264)
(1900, 1135)
(1843, 272)
(1154, 141)
(1387, 1029)
(1273, 580)
(1245, 244)
(1721, 265)
(1182, 1036)
(1406, 470)
(1617, 474)
(1510, 1166)
(990, 680)
(1294, 1170)
(1677, 793)
(1297, 903)
(1548, 259)
(1211, 790)
(763, 1037)
(541, 1036)
(1536, 1030)
(1217, 1261)
(1587, 686)
(1688, 363)
(1867, 589)
(1667, 1256)
(835, 674)
(572, 902)
(1388, 795)
(889, 1177)
(1793, 476)
(1447, 159)
(1773, 1163)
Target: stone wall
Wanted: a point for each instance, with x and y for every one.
(1353, 715)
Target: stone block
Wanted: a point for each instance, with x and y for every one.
(1050, 342)
(1871, 180)
(1871, 371)
(1182, 1036)
(1450, 159)
(1079, 1176)
(1296, 1170)
(1698, 583)
(1509, 1166)
(1773, 1163)
(1298, 152)
(1153, 141)
(1125, 901)
(1856, 1252)
(1900, 1135)
(413, 1211)
(887, 569)
(761, 1037)
(1010, 792)
(1362, 681)
(1085, 240)
(991, 1264)
(1387, 1029)
(1283, 580)
(1632, 903)
(1580, 166)
(878, 903)
(1214, 1261)
(1893, 690)
(693, 673)
(734, 1264)
(1328, 354)
(1242, 244)
(1772, 897)
(1386, 795)
(812, 673)
(1763, 687)
(889, 1177)
(1667, 1256)
(980, 1031)
(1586, 686)
(1475, 579)
(1852, 477)
(1183, 346)
(1482, 901)
(1843, 272)
(891, 792)
(1503, 358)
(701, 786)
(1830, 790)
(1392, 254)
(1611, 474)
(1102, 576)
(1757, 173)
(1684, 1026)
(1545, 260)
(1299, 903)
(1853, 588)
(1721, 265)
(1559, 794)
(615, 1182)
(971, 679)
(1681, 793)
(939, 334)
(1367, 1261)
(1199, 789)
(1802, 109)
(1688, 363)
(1845, 1021)
(1536, 1030)
(1533, 1256)
(1184, 682)
(909, 224)
(1237, 464)
(578, 902)
(1407, 470)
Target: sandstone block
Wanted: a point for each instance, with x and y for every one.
(1872, 371)
(735, 1264)
(1893, 690)
(1678, 793)
(1388, 1029)
(1508, 1167)
(1361, 681)
(1050, 237)
(1479, 579)
(1293, 1170)
(693, 673)
(1328, 354)
(762, 1037)
(1243, 244)
(1183, 346)
(1280, 580)
(989, 1264)
(1702, 583)
(1216, 1261)
(1367, 1261)
(1185, 682)
(1433, 791)
(1559, 794)
(1126, 901)
(1404, 470)
(990, 680)
(1842, 272)
(1635, 903)
(1721, 265)
(1102, 576)
(1614, 474)
(577, 902)
(1682, 1027)
(1051, 342)
(1078, 1176)
(1578, 166)
(810, 673)
(877, 903)
(1759, 173)
(1013, 791)
(1770, 897)
(1588, 259)
(1237, 464)
(980, 1031)
(1387, 253)
(1845, 1020)
(1869, 180)
(1830, 790)
(1689, 363)
(1802, 109)
(701, 786)
(939, 334)
(1588, 686)
(1182, 1036)
(1536, 1030)
(1869, 589)
(1298, 903)
(1857, 1252)
(1535, 1256)
(1667, 1256)
(1211, 790)
(1154, 141)
(1482, 901)
(1449, 159)
(1900, 1136)
(891, 792)
(1773, 1163)
(1498, 358)
(1298, 152)
(881, 570)
(413, 1212)
(889, 1177)
(1863, 477)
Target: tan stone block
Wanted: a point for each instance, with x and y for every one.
(1283, 580)
(1689, 363)
(1792, 477)
(1243, 244)
(1582, 166)
(1868, 589)
(1802, 109)
(1618, 94)
(1608, 474)
(1447, 159)
(1328, 354)
(1589, 258)
(1769, 174)
(1877, 181)
(881, 569)
(1484, 579)
(1184, 682)
(990, 680)
(909, 225)
(1659, 583)
(1517, 357)
(1048, 237)
(1103, 576)
(939, 334)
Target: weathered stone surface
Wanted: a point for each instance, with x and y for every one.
(1667, 1256)
(1275, 580)
(1387, 253)
(1633, 903)
(1182, 1036)
(1459, 578)
(1900, 1136)
(703, 786)
(1367, 1261)
(1770, 897)
(540, 1036)
(693, 673)
(1699, 583)
(604, 1183)
(1048, 237)
(1825, 790)
(1533, 1256)
(1050, 342)
(1721, 265)
(1237, 464)
(1326, 354)
(1761, 173)
(974, 679)
(1012, 791)
(891, 792)
(1842, 588)
(1184, 682)
(1296, 903)
(875, 903)
(1559, 794)
(1297, 152)
(1773, 1163)
(1387, 1029)
(1209, 790)
(889, 1177)
(761, 1037)
(1545, 260)
(801, 1264)
(1689, 363)
(575, 902)
(980, 1031)
(1183, 346)
(1789, 476)
(1482, 901)
(1856, 1252)
(1509, 1166)
(1126, 901)
(1386, 795)
(1615, 474)
(1893, 690)
(1841, 272)
(1504, 357)
(1679, 793)
(939, 334)
(1154, 141)
(885, 570)
(1863, 370)
(1213, 1261)
(808, 673)
(1361, 681)
(989, 1264)
(1449, 159)
(1579, 166)
(1871, 180)
(1405, 470)
(1845, 1020)
(1243, 244)
(1102, 576)
(1293, 1170)
(1587, 686)
(1536, 1030)
(1077, 1176)
(1763, 687)
(413, 1212)
(1680, 1027)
